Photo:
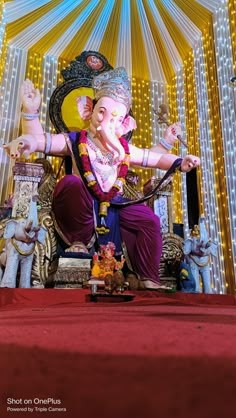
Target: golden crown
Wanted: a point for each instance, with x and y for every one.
(195, 232)
(115, 84)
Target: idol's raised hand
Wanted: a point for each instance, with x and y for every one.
(172, 132)
(30, 97)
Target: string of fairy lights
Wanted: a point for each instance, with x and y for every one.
(225, 68)
(142, 136)
(158, 97)
(174, 117)
(208, 181)
(13, 75)
(232, 22)
(214, 116)
(2, 35)
(181, 195)
(46, 80)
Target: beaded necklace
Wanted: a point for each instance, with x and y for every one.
(102, 157)
(104, 198)
(104, 161)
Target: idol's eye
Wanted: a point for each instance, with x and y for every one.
(101, 110)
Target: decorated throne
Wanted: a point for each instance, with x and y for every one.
(172, 253)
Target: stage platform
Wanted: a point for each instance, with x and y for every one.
(159, 355)
(38, 298)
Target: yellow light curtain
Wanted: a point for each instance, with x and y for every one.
(34, 68)
(62, 64)
(191, 105)
(177, 189)
(34, 73)
(218, 152)
(183, 48)
(56, 162)
(192, 118)
(142, 136)
(4, 41)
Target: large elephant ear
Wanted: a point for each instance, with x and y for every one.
(85, 106)
(10, 228)
(129, 124)
(213, 248)
(187, 246)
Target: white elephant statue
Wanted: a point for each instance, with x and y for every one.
(21, 236)
(198, 250)
(3, 260)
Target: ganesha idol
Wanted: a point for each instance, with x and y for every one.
(85, 202)
(108, 269)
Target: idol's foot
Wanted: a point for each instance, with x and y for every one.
(150, 285)
(77, 247)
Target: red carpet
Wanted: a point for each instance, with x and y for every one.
(161, 355)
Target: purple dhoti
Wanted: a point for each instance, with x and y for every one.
(140, 227)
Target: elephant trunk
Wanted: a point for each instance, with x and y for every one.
(32, 225)
(110, 140)
(204, 237)
(33, 214)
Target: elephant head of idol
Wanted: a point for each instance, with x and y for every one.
(109, 117)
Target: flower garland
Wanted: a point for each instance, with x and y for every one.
(104, 198)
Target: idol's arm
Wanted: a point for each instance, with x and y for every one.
(152, 159)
